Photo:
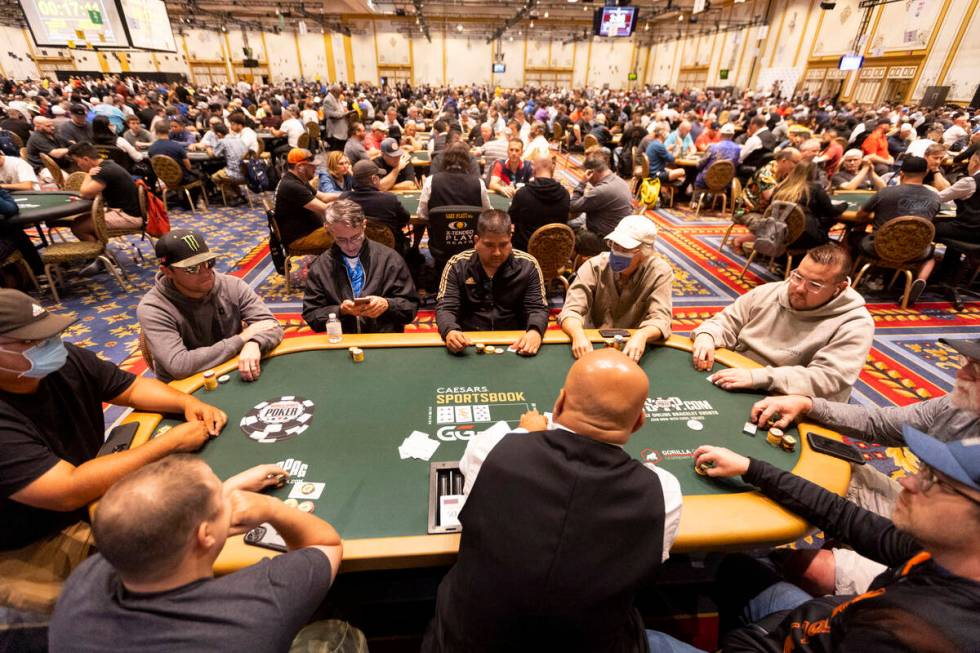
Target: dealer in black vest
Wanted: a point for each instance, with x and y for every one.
(561, 526)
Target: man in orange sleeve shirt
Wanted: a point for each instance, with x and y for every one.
(875, 147)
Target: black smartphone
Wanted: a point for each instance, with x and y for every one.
(362, 301)
(119, 438)
(835, 448)
(612, 333)
(267, 537)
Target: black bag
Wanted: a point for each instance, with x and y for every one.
(7, 145)
(258, 176)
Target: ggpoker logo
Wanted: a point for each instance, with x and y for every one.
(456, 432)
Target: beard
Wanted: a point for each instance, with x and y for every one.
(966, 395)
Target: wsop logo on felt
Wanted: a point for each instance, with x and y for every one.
(277, 420)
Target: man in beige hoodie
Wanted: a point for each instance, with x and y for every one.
(811, 333)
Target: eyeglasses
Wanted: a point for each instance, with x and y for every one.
(926, 477)
(197, 269)
(353, 240)
(811, 286)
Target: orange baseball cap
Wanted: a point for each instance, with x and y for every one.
(298, 155)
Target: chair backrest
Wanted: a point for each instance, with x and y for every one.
(98, 220)
(144, 204)
(736, 194)
(903, 239)
(790, 213)
(144, 348)
(590, 141)
(167, 170)
(552, 245)
(15, 139)
(557, 132)
(303, 141)
(379, 233)
(54, 169)
(73, 182)
(261, 142)
(451, 229)
(313, 129)
(718, 175)
(642, 166)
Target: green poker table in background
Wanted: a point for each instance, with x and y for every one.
(410, 200)
(40, 206)
(361, 413)
(855, 200)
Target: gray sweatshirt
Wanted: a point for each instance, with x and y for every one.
(186, 336)
(937, 417)
(817, 352)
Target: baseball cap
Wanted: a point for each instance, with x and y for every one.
(957, 459)
(914, 165)
(389, 146)
(77, 109)
(854, 153)
(969, 348)
(298, 155)
(364, 169)
(727, 128)
(378, 126)
(633, 231)
(22, 318)
(181, 248)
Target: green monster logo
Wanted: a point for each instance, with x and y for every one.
(191, 241)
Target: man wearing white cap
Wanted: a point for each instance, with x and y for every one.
(856, 174)
(628, 287)
(724, 150)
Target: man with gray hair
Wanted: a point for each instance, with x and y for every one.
(492, 287)
(364, 283)
(604, 198)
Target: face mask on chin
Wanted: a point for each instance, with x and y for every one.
(45, 358)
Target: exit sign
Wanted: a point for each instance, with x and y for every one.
(95, 16)
(723, 73)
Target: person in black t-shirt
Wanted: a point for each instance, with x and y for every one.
(300, 209)
(398, 173)
(119, 192)
(51, 431)
(379, 206)
(151, 587)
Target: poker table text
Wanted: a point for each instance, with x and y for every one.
(341, 422)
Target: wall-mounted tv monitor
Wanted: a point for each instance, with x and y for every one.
(614, 21)
(55, 24)
(851, 62)
(499, 68)
(148, 25)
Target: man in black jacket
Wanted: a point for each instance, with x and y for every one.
(542, 201)
(928, 598)
(561, 526)
(382, 207)
(365, 284)
(492, 287)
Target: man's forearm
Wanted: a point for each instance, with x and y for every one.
(299, 529)
(573, 327)
(153, 396)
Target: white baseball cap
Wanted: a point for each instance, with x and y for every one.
(633, 231)
(727, 128)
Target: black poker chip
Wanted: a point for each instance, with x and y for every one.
(278, 419)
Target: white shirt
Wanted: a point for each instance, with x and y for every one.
(953, 135)
(538, 147)
(309, 115)
(294, 129)
(16, 170)
(752, 143)
(479, 447)
(918, 147)
(249, 137)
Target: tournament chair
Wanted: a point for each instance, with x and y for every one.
(56, 172)
(589, 142)
(553, 246)
(16, 258)
(122, 232)
(558, 137)
(171, 173)
(379, 233)
(792, 214)
(451, 230)
(74, 181)
(303, 142)
(717, 178)
(902, 244)
(291, 252)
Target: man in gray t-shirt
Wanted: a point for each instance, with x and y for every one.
(151, 587)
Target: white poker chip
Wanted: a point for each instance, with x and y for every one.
(306, 506)
(224, 378)
(694, 425)
(278, 419)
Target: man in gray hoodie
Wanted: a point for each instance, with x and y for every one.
(811, 333)
(195, 318)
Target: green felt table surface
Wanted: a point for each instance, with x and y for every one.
(410, 200)
(363, 411)
(855, 198)
(37, 206)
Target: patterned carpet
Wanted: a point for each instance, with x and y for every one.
(907, 364)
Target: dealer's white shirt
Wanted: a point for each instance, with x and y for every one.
(480, 446)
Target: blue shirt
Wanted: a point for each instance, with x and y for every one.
(658, 156)
(173, 149)
(328, 184)
(234, 151)
(720, 151)
(687, 144)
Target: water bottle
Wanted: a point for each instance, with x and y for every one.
(334, 331)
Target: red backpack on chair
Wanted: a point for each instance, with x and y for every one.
(157, 220)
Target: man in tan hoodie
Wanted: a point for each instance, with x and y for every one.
(811, 333)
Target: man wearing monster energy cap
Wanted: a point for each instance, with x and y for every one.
(51, 430)
(193, 318)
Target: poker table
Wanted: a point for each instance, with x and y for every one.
(357, 414)
(42, 206)
(421, 159)
(855, 200)
(410, 200)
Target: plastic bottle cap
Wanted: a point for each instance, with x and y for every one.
(332, 316)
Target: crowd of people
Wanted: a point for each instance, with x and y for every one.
(896, 578)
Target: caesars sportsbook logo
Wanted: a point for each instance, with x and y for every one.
(460, 413)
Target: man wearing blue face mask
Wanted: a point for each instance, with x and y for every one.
(625, 288)
(51, 430)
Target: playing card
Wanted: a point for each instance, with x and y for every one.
(481, 413)
(464, 413)
(445, 415)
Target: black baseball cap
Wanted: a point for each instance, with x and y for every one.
(22, 318)
(183, 248)
(78, 110)
(365, 169)
(914, 165)
(389, 147)
(969, 348)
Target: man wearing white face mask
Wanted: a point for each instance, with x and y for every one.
(625, 288)
(811, 333)
(51, 430)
